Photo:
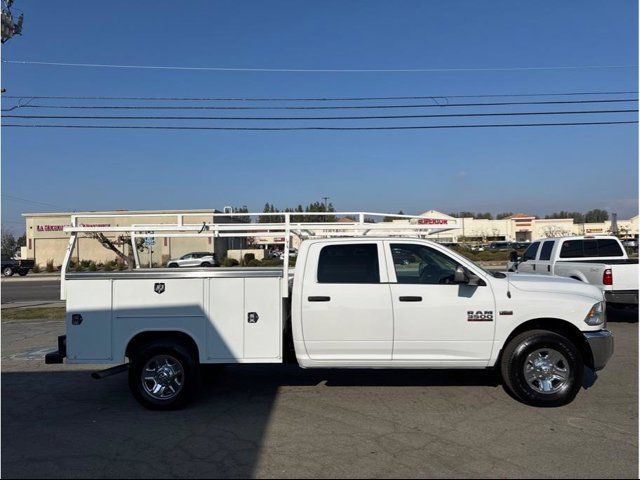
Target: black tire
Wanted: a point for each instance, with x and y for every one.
(23, 273)
(173, 265)
(182, 355)
(7, 271)
(206, 264)
(514, 360)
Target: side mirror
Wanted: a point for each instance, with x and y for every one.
(460, 275)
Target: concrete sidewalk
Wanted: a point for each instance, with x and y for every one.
(35, 304)
(33, 277)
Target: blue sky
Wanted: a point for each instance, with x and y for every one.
(535, 170)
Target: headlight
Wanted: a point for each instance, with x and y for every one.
(596, 315)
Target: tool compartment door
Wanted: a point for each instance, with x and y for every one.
(89, 340)
(262, 320)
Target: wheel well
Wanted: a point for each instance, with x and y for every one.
(556, 325)
(174, 336)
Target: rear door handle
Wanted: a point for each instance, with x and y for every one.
(319, 299)
(410, 299)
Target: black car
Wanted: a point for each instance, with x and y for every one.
(11, 266)
(502, 246)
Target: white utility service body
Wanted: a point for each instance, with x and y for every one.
(598, 260)
(361, 295)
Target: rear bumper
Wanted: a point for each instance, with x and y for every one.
(622, 296)
(59, 355)
(601, 345)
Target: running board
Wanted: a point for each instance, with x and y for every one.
(110, 371)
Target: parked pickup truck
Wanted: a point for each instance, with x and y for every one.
(353, 303)
(600, 261)
(13, 265)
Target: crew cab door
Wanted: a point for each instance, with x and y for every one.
(544, 265)
(528, 262)
(437, 322)
(346, 303)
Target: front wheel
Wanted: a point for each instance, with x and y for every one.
(542, 368)
(7, 271)
(163, 375)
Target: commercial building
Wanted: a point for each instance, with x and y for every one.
(47, 242)
(523, 228)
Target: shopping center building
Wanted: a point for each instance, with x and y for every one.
(47, 241)
(522, 228)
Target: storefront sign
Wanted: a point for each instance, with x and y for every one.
(433, 221)
(60, 228)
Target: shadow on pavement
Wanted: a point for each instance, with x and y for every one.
(62, 424)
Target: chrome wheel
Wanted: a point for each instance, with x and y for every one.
(163, 377)
(546, 370)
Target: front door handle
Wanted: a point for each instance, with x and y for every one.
(410, 299)
(319, 299)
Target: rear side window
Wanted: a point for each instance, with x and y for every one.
(601, 247)
(608, 247)
(349, 264)
(572, 249)
(530, 253)
(547, 247)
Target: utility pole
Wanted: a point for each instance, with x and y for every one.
(326, 208)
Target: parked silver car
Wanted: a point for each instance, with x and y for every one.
(195, 259)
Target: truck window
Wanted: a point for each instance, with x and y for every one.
(590, 248)
(547, 247)
(530, 253)
(608, 247)
(356, 263)
(572, 249)
(421, 264)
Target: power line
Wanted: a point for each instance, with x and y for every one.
(318, 70)
(308, 99)
(35, 202)
(364, 117)
(420, 127)
(333, 107)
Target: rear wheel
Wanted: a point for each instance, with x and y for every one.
(163, 375)
(542, 368)
(205, 264)
(7, 271)
(173, 265)
(22, 273)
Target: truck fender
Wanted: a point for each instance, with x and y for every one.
(142, 336)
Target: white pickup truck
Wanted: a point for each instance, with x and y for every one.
(601, 261)
(374, 297)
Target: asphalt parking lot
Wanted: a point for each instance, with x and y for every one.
(280, 421)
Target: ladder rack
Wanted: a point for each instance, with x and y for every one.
(248, 225)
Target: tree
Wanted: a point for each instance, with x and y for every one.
(10, 26)
(119, 245)
(9, 244)
(503, 215)
(392, 218)
(596, 216)
(577, 216)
